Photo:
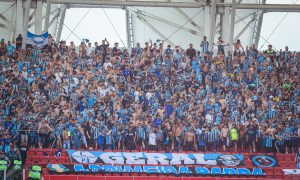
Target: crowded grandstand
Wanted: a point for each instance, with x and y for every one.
(151, 97)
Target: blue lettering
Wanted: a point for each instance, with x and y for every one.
(229, 171)
(170, 170)
(119, 168)
(80, 168)
(202, 170)
(184, 170)
(243, 171)
(136, 169)
(216, 170)
(258, 171)
(160, 169)
(150, 169)
(109, 168)
(95, 167)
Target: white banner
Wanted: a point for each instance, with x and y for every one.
(291, 171)
(155, 158)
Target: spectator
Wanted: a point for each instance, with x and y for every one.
(204, 45)
(151, 98)
(191, 52)
(19, 41)
(234, 137)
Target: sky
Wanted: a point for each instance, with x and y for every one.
(94, 25)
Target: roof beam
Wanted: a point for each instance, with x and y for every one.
(133, 3)
(273, 7)
(266, 7)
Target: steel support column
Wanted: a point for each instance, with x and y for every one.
(25, 25)
(61, 25)
(38, 17)
(12, 34)
(206, 20)
(127, 20)
(225, 25)
(46, 26)
(259, 25)
(212, 24)
(232, 24)
(19, 21)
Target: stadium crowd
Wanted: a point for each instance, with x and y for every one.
(151, 97)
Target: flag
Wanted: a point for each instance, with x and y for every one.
(37, 41)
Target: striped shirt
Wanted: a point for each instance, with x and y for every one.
(204, 45)
(207, 136)
(279, 137)
(215, 135)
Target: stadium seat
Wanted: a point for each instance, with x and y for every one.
(278, 172)
(269, 171)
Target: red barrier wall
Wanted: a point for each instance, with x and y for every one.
(87, 177)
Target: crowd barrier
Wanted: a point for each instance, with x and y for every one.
(86, 177)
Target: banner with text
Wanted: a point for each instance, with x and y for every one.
(171, 170)
(142, 158)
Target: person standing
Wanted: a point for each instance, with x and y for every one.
(131, 138)
(204, 45)
(67, 138)
(221, 44)
(76, 138)
(19, 41)
(43, 131)
(224, 133)
(234, 137)
(103, 49)
(152, 140)
(191, 52)
(190, 140)
(10, 49)
(215, 136)
(251, 137)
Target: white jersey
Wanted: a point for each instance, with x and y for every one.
(152, 139)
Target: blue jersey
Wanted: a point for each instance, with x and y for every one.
(101, 138)
(108, 139)
(140, 133)
(215, 135)
(280, 140)
(288, 133)
(268, 141)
